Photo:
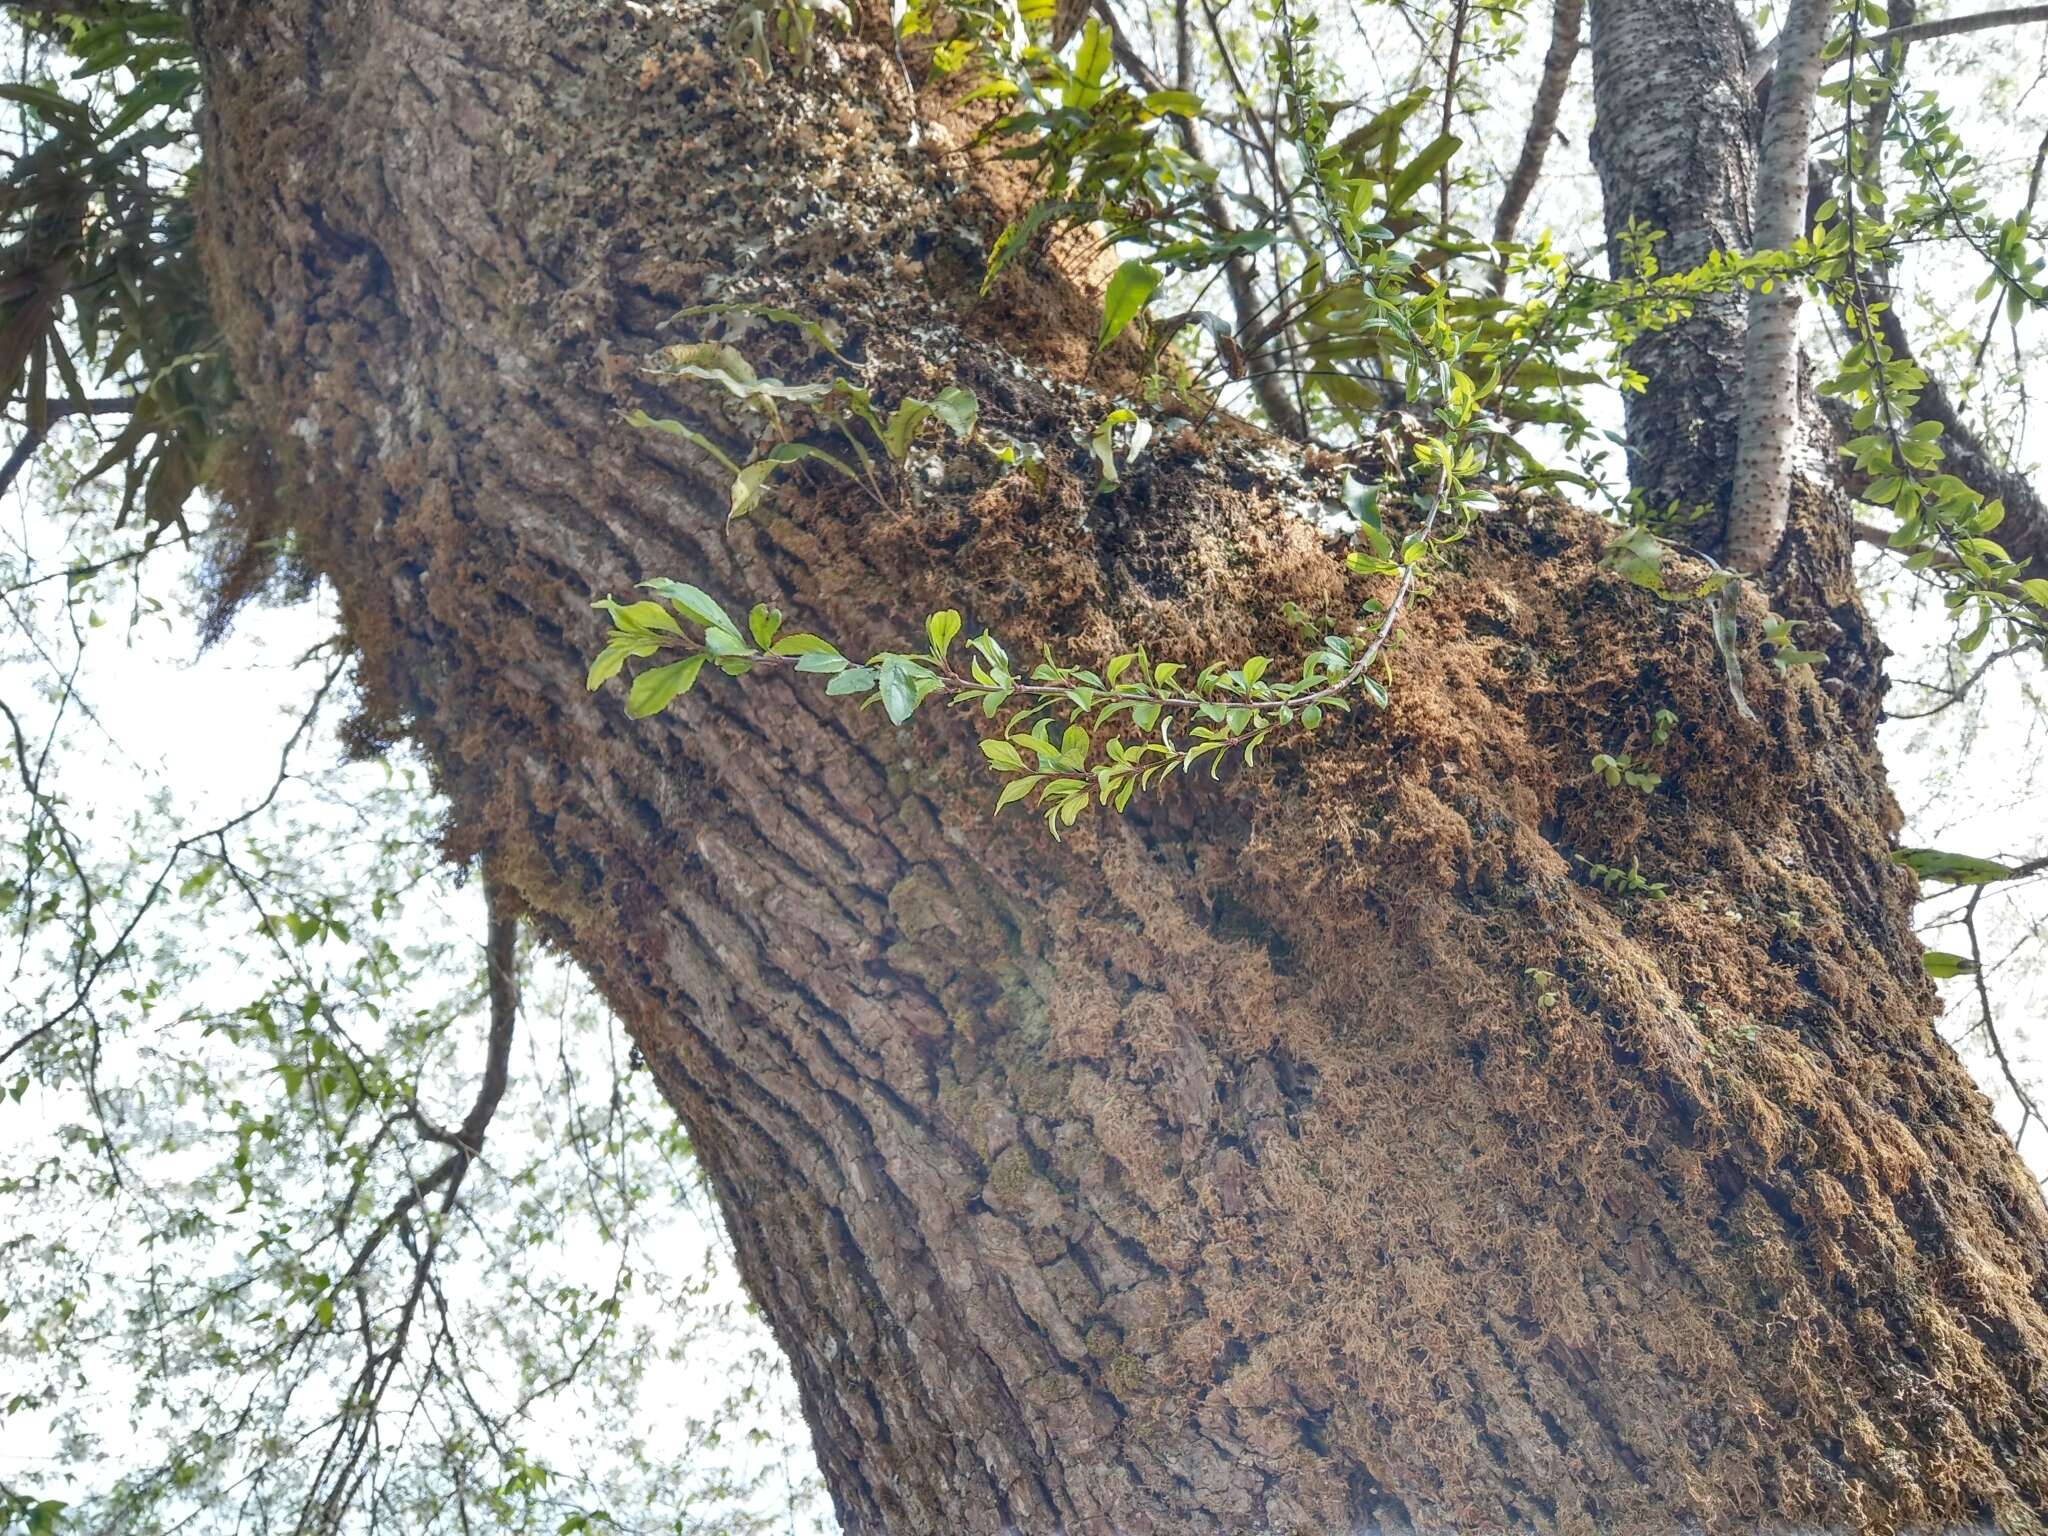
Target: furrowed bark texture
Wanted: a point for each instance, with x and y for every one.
(1767, 432)
(1311, 1152)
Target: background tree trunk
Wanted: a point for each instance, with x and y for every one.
(1309, 1152)
(1767, 428)
(1675, 145)
(1674, 141)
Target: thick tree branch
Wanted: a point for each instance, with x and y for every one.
(1987, 1024)
(340, 1470)
(991, 1119)
(1765, 59)
(2024, 533)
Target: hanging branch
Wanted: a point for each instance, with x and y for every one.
(1915, 32)
(1986, 1025)
(427, 1204)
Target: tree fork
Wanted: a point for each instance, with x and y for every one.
(1311, 1151)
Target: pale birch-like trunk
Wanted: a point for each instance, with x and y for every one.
(1768, 429)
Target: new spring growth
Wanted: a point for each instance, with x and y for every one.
(1061, 738)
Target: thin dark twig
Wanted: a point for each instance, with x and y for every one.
(1565, 16)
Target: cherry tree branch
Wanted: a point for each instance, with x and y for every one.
(1956, 26)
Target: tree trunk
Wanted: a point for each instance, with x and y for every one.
(1306, 1152)
(1767, 426)
(1674, 141)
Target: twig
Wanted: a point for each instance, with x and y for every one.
(1565, 16)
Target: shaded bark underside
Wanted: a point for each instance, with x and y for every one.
(1224, 1168)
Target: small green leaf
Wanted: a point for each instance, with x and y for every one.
(1133, 284)
(1363, 502)
(1418, 171)
(612, 657)
(692, 603)
(852, 680)
(653, 689)
(1091, 64)
(1178, 103)
(677, 429)
(957, 408)
(1003, 755)
(747, 486)
(903, 424)
(801, 644)
(723, 642)
(763, 623)
(1103, 444)
(640, 618)
(1725, 641)
(1017, 789)
(900, 694)
(811, 328)
(940, 629)
(1951, 868)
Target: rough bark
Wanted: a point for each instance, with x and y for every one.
(1767, 429)
(1674, 142)
(1308, 1152)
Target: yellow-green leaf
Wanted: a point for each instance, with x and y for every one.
(1129, 290)
(653, 689)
